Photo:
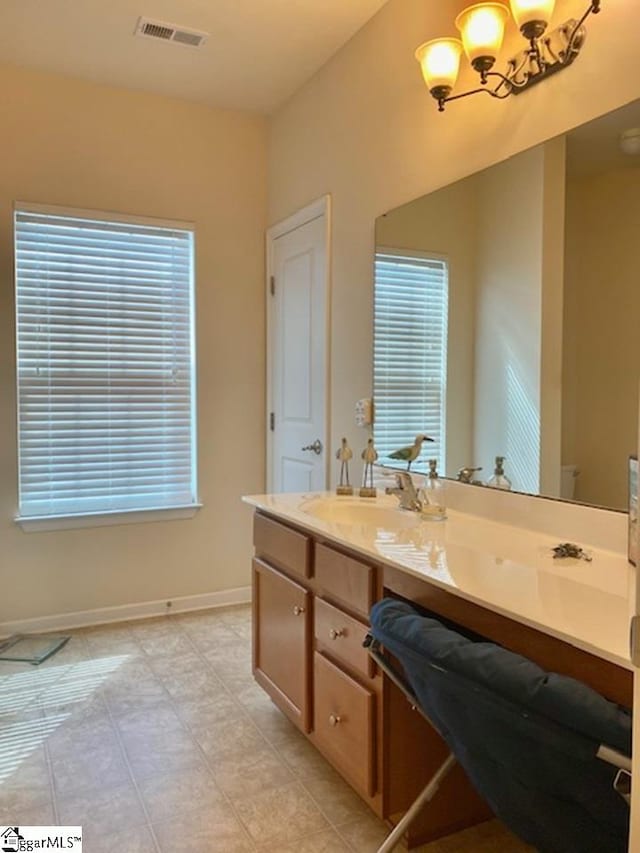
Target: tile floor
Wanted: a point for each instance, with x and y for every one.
(153, 736)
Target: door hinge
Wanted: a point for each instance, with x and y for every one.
(272, 285)
(272, 421)
(634, 641)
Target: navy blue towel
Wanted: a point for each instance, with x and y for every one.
(526, 738)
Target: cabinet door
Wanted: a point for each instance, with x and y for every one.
(281, 641)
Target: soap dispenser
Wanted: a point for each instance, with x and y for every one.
(433, 497)
(499, 479)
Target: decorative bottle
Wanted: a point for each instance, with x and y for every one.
(433, 495)
(499, 479)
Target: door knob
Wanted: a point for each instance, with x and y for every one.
(334, 719)
(297, 610)
(316, 447)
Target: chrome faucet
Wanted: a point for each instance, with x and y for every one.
(406, 492)
(465, 475)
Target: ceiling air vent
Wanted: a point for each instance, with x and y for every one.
(170, 32)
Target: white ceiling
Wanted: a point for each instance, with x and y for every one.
(258, 54)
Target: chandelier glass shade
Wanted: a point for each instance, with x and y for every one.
(482, 31)
(440, 63)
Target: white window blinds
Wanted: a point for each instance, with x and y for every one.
(410, 353)
(105, 364)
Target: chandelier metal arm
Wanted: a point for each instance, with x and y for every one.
(505, 80)
(594, 8)
(493, 92)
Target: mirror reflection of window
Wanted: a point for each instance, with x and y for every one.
(410, 352)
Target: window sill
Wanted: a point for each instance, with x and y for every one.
(105, 519)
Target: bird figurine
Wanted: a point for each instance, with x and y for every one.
(410, 453)
(369, 455)
(344, 454)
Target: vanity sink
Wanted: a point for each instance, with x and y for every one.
(381, 512)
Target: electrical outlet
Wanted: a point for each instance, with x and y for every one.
(364, 412)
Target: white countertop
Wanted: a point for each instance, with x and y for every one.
(504, 568)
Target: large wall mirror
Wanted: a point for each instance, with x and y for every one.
(507, 315)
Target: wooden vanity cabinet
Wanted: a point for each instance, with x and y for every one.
(311, 604)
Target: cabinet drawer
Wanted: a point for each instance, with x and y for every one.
(342, 636)
(280, 545)
(344, 723)
(345, 579)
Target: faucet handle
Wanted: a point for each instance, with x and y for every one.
(404, 480)
(465, 475)
(406, 492)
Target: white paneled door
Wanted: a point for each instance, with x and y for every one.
(298, 314)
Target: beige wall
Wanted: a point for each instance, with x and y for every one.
(366, 130)
(78, 144)
(601, 320)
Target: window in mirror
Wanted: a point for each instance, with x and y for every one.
(410, 351)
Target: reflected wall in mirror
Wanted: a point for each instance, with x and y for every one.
(506, 313)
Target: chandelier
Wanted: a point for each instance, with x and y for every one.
(482, 29)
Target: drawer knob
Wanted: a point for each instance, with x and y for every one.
(334, 719)
(335, 633)
(297, 610)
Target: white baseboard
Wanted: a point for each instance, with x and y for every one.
(125, 612)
